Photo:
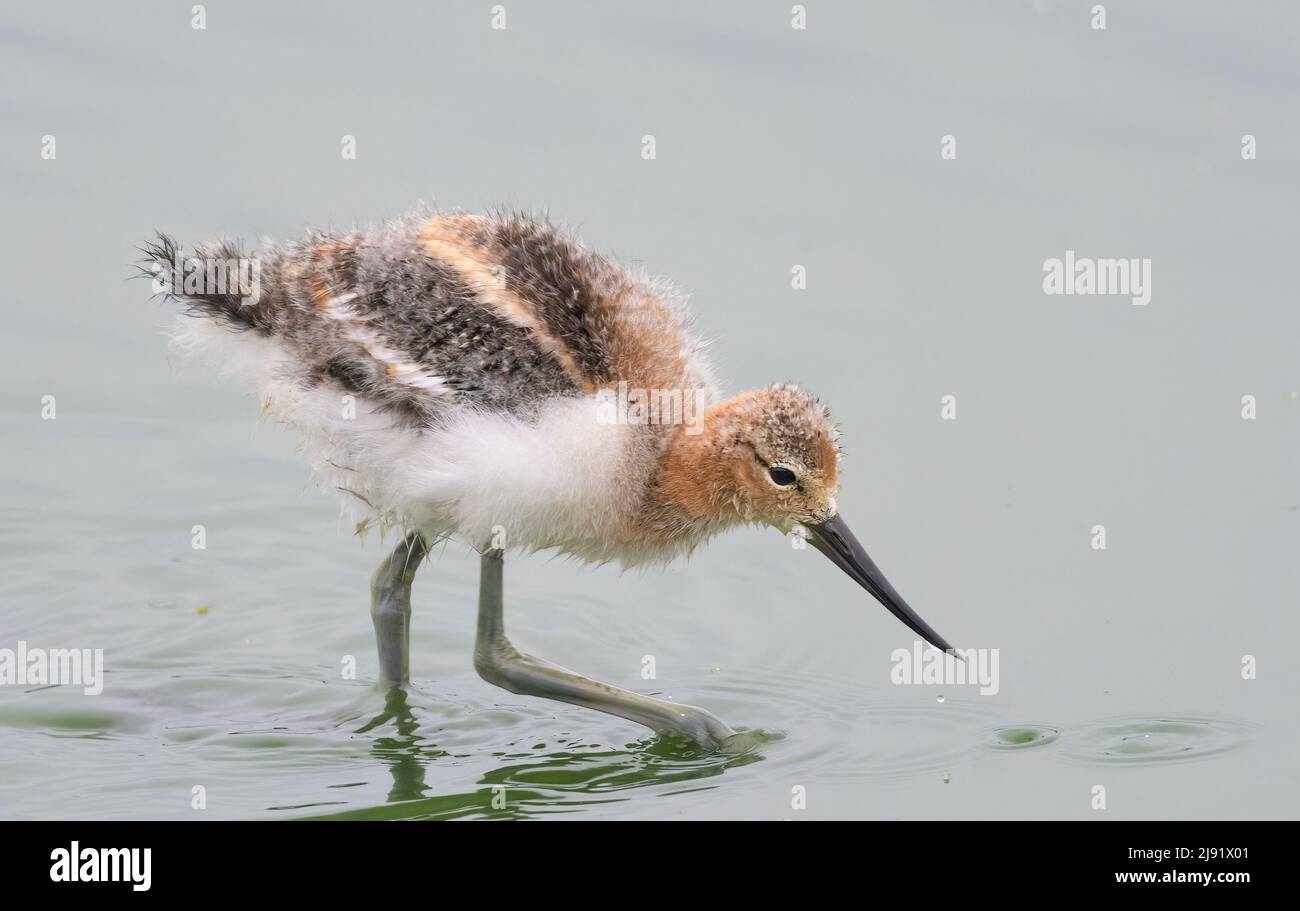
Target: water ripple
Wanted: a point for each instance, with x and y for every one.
(1150, 740)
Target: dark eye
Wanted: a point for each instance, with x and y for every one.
(782, 476)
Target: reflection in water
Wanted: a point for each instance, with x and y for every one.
(534, 783)
(405, 754)
(434, 751)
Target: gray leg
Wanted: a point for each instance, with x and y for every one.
(499, 662)
(390, 609)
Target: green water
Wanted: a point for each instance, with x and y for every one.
(225, 666)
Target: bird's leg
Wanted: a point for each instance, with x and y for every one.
(499, 662)
(390, 608)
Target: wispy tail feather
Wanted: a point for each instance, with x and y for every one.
(227, 305)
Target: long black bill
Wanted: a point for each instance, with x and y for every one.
(834, 539)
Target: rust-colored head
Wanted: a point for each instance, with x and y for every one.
(768, 456)
(771, 456)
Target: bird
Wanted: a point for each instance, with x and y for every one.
(488, 378)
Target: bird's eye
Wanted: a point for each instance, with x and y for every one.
(781, 476)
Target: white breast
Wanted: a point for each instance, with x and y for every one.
(565, 480)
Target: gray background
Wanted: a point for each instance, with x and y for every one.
(775, 147)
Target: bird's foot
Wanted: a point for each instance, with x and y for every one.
(710, 733)
(703, 727)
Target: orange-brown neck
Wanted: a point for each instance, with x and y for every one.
(699, 483)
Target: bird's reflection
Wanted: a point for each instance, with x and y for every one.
(529, 784)
(403, 751)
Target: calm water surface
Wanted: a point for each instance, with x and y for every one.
(1119, 668)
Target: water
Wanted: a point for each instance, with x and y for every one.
(1119, 668)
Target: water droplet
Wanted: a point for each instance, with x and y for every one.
(946, 777)
(940, 699)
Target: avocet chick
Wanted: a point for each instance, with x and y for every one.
(490, 379)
